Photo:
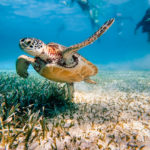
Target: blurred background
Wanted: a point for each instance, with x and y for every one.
(125, 46)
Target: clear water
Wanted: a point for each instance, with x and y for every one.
(67, 23)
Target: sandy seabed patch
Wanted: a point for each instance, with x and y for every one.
(106, 120)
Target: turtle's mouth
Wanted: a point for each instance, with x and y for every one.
(23, 46)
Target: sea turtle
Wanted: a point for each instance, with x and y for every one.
(58, 63)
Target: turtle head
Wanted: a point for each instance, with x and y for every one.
(32, 46)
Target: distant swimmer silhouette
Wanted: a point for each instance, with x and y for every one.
(145, 24)
(91, 10)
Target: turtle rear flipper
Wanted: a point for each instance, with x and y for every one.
(73, 49)
(22, 65)
(88, 80)
(70, 87)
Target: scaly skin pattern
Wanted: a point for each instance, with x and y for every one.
(54, 52)
(90, 40)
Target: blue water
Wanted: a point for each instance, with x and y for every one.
(65, 22)
(114, 112)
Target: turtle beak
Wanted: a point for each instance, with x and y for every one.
(22, 43)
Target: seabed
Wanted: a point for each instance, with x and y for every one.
(35, 113)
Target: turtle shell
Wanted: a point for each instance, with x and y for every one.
(81, 71)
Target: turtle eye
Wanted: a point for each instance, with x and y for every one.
(29, 42)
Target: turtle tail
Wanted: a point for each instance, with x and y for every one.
(90, 40)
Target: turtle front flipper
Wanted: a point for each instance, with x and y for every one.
(72, 49)
(22, 65)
